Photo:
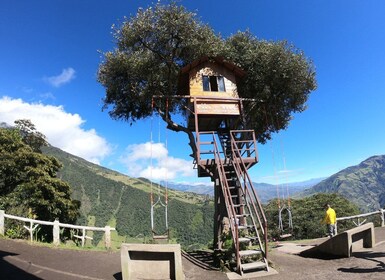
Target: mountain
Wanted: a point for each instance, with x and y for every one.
(201, 188)
(265, 191)
(110, 198)
(363, 184)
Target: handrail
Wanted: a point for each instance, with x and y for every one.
(380, 211)
(228, 201)
(252, 195)
(56, 228)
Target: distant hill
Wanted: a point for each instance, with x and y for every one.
(111, 198)
(204, 189)
(363, 184)
(265, 191)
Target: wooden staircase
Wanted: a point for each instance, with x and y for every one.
(226, 157)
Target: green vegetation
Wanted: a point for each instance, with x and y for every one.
(307, 215)
(124, 203)
(29, 186)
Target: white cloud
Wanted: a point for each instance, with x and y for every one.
(62, 129)
(64, 77)
(151, 160)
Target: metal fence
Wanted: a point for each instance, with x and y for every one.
(358, 219)
(56, 229)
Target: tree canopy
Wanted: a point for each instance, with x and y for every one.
(153, 45)
(28, 179)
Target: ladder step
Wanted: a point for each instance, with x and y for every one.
(245, 227)
(245, 253)
(246, 239)
(253, 266)
(242, 215)
(239, 205)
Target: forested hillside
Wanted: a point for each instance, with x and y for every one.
(363, 184)
(107, 196)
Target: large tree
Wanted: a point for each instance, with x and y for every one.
(153, 45)
(28, 178)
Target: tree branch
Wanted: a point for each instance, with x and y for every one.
(177, 128)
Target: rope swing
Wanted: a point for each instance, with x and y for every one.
(284, 232)
(158, 201)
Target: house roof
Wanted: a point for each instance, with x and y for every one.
(220, 60)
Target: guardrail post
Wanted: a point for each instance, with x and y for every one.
(107, 237)
(56, 233)
(382, 218)
(2, 222)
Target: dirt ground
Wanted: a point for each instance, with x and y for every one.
(22, 260)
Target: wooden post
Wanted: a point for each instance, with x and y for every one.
(83, 236)
(2, 222)
(31, 230)
(382, 218)
(217, 216)
(107, 237)
(56, 233)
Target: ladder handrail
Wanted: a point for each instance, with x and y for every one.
(247, 183)
(228, 200)
(226, 166)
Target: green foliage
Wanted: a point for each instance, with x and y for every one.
(30, 135)
(279, 76)
(28, 182)
(108, 195)
(307, 215)
(154, 44)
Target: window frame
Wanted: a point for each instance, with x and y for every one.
(208, 83)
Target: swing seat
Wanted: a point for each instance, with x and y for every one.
(287, 235)
(160, 237)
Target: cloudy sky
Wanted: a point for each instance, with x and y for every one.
(49, 59)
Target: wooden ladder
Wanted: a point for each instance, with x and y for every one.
(246, 217)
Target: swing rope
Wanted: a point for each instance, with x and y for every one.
(158, 200)
(282, 207)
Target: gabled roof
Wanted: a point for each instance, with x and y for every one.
(220, 60)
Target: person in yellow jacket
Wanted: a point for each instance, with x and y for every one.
(330, 220)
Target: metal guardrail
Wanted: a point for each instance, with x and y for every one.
(56, 229)
(359, 222)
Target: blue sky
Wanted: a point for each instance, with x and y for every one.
(49, 59)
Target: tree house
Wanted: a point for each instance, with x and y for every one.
(211, 84)
(225, 150)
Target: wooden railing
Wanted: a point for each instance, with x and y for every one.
(358, 218)
(56, 229)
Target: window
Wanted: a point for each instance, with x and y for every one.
(213, 83)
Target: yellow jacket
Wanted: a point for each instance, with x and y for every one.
(330, 217)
